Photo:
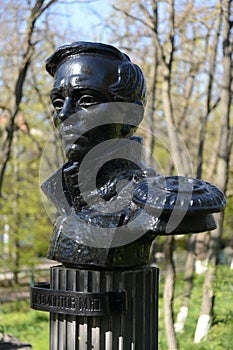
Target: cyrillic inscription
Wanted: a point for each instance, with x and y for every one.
(76, 303)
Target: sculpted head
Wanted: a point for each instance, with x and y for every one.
(87, 74)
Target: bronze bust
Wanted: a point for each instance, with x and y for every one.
(110, 205)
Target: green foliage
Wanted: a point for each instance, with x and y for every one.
(220, 334)
(32, 326)
(228, 220)
(23, 212)
(22, 215)
(27, 325)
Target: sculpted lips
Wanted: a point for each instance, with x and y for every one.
(71, 134)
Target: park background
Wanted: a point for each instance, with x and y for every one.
(185, 51)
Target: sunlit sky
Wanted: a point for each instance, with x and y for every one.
(86, 18)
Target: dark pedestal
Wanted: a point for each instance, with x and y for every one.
(135, 328)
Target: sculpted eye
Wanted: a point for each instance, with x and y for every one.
(88, 100)
(58, 103)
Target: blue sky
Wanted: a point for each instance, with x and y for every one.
(85, 18)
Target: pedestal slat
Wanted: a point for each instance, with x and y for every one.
(135, 329)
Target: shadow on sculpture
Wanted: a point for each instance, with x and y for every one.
(110, 206)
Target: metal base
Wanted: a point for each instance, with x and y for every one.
(136, 328)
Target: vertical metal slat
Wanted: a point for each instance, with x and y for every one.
(133, 330)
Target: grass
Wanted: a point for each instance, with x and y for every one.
(32, 326)
(220, 336)
(27, 325)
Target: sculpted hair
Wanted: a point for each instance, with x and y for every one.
(130, 86)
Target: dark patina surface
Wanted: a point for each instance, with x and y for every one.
(89, 78)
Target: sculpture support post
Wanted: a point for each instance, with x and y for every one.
(101, 310)
(136, 327)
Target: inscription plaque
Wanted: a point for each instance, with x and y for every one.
(77, 303)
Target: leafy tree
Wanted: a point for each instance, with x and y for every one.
(17, 61)
(28, 225)
(24, 129)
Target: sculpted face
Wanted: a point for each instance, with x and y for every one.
(82, 82)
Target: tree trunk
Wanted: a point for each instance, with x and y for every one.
(189, 266)
(169, 294)
(188, 285)
(150, 115)
(16, 266)
(38, 8)
(179, 156)
(209, 104)
(181, 164)
(205, 318)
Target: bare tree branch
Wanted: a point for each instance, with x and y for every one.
(133, 17)
(28, 51)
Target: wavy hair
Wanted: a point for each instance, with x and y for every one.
(130, 86)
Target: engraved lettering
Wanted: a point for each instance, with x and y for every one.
(83, 304)
(38, 298)
(92, 304)
(70, 302)
(98, 305)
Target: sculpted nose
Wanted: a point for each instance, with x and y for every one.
(65, 112)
